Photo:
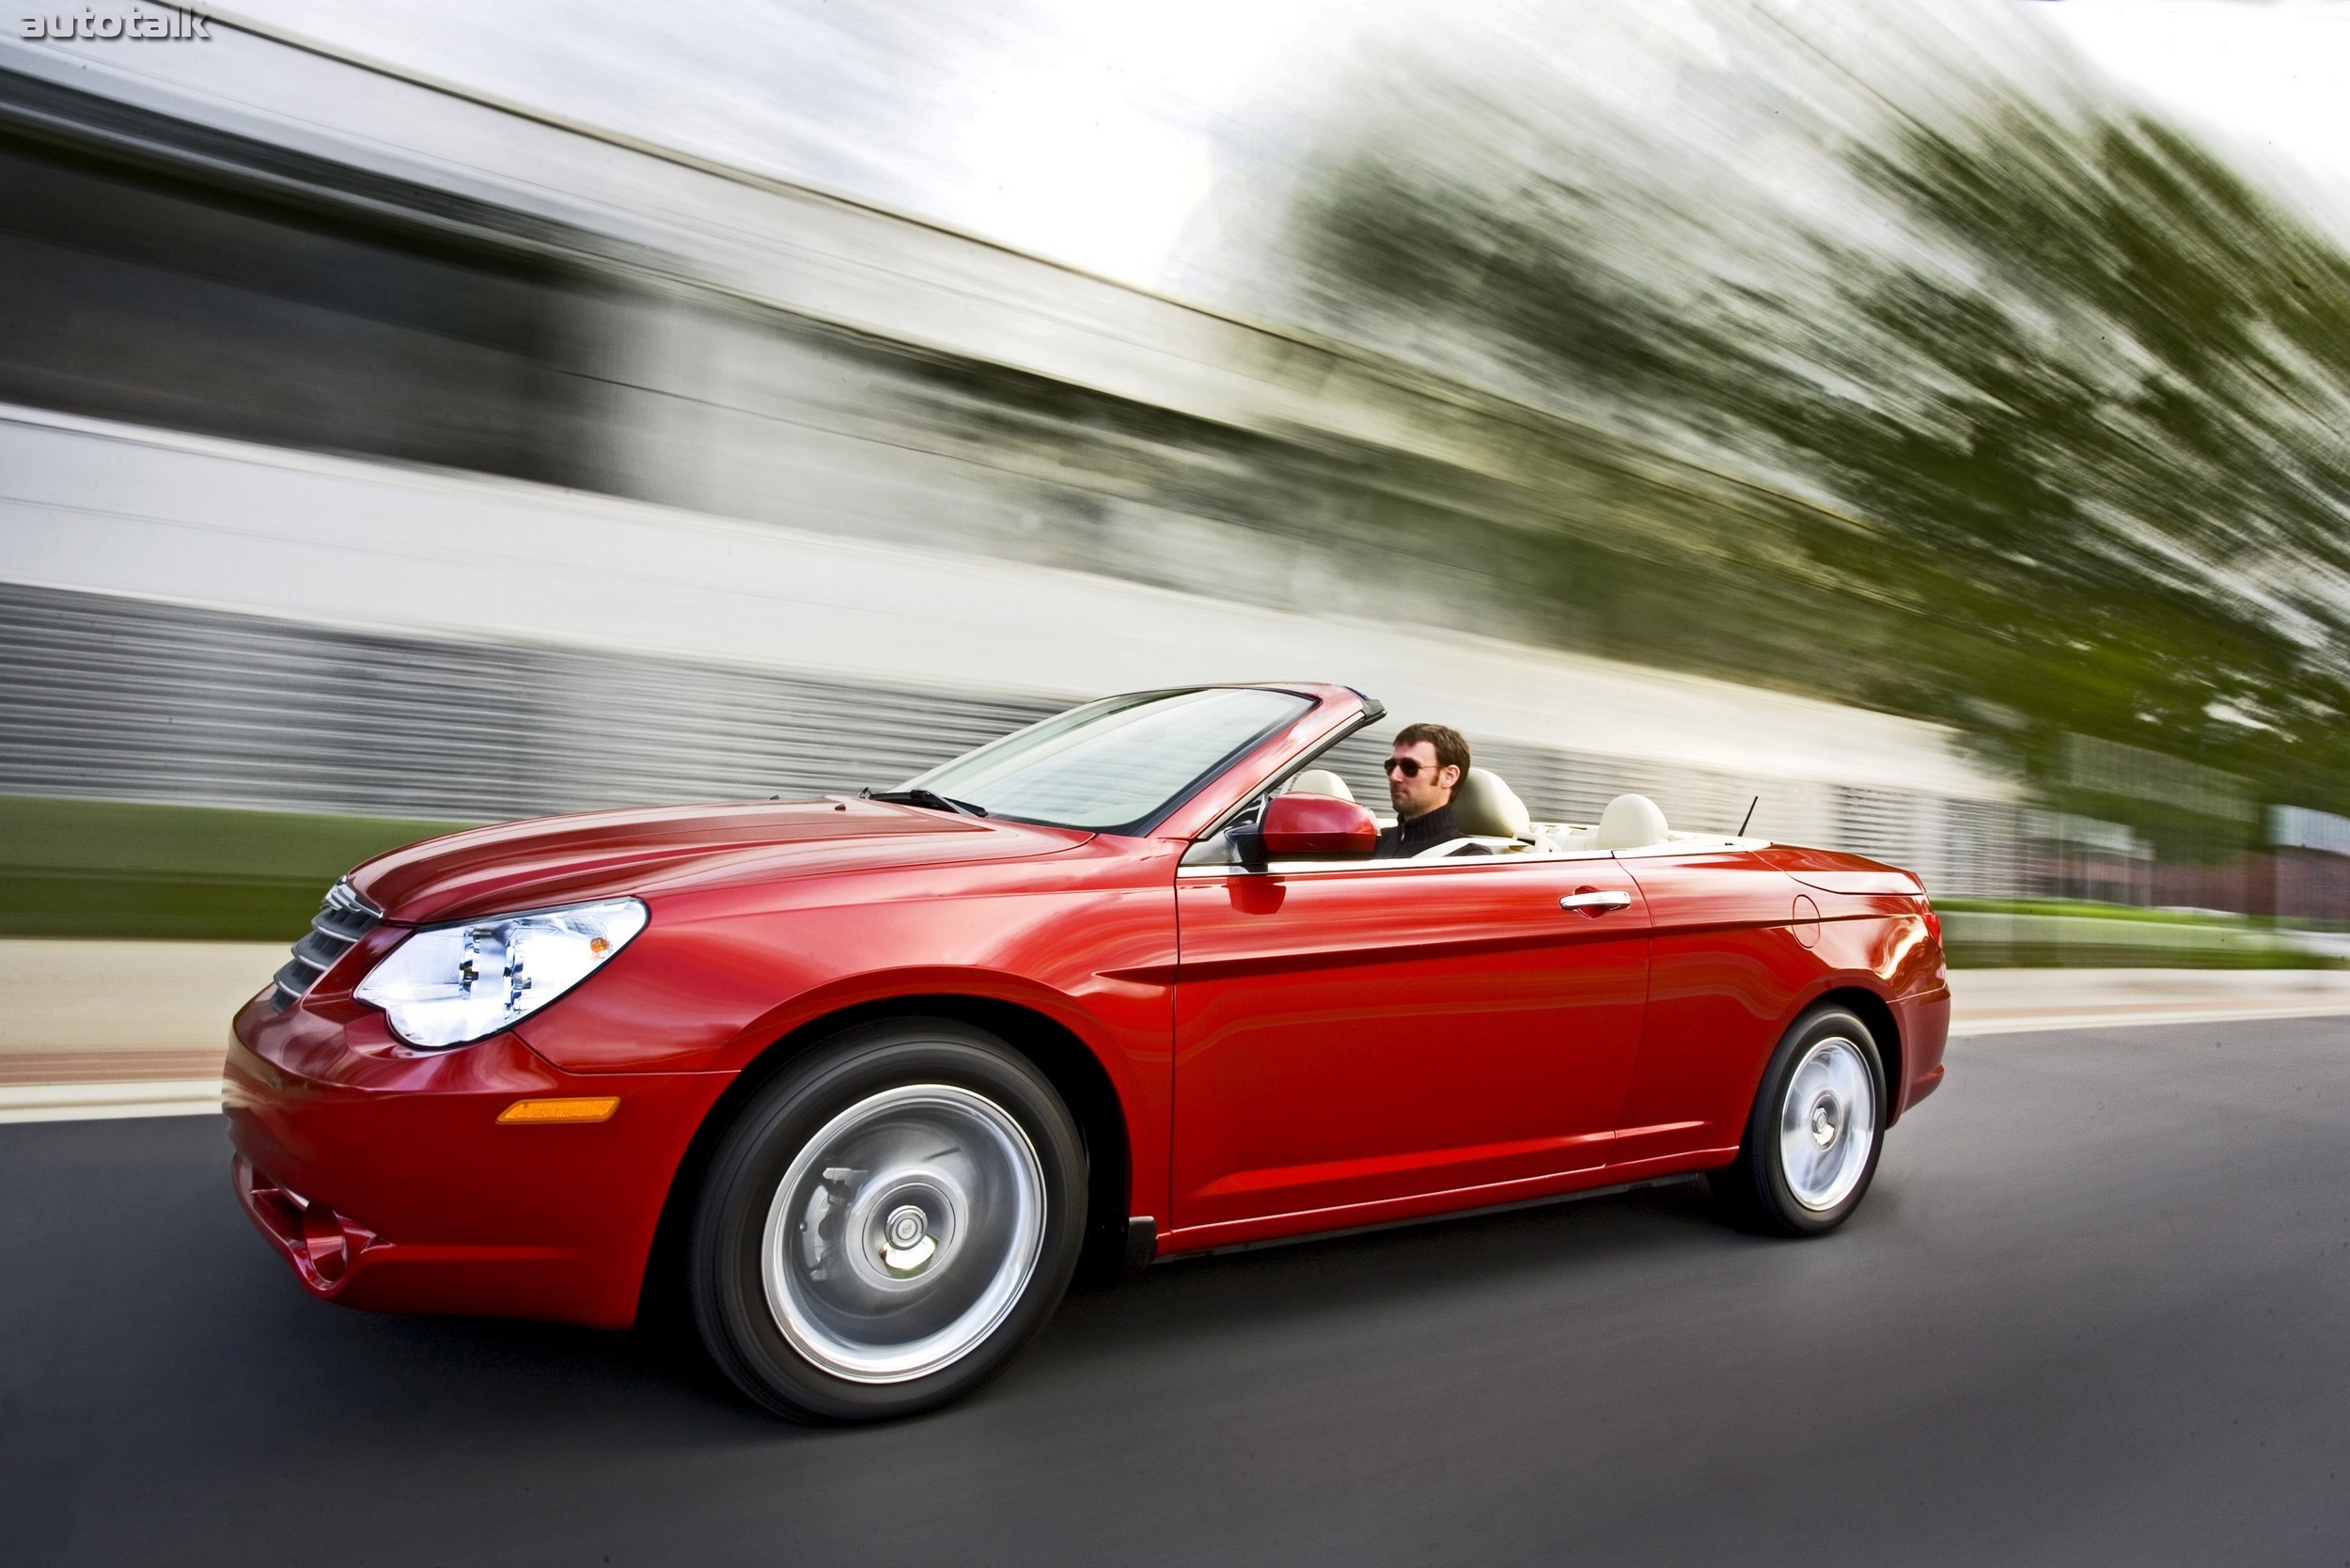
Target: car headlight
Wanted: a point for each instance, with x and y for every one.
(446, 985)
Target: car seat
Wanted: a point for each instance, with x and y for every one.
(1317, 781)
(1486, 807)
(1631, 821)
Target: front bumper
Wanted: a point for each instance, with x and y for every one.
(385, 1178)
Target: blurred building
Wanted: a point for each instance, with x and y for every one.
(371, 449)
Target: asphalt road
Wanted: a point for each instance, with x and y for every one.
(2097, 1310)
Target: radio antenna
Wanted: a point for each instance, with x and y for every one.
(1744, 821)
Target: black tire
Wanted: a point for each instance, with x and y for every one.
(1756, 1192)
(778, 1281)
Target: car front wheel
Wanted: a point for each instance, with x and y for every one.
(1811, 1142)
(888, 1223)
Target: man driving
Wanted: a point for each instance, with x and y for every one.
(1427, 764)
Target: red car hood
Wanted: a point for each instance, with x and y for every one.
(550, 860)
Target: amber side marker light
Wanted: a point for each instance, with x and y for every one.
(593, 1109)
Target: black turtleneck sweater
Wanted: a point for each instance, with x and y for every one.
(1422, 832)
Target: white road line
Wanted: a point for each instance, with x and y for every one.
(107, 1102)
(2041, 1022)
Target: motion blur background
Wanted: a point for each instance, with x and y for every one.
(414, 413)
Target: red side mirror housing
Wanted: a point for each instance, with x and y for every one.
(1317, 828)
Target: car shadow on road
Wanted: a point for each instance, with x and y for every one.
(1562, 1254)
(1405, 1267)
(235, 1338)
(1102, 1335)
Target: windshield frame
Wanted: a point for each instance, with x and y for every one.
(1255, 800)
(1143, 826)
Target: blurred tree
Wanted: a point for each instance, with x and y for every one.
(2064, 411)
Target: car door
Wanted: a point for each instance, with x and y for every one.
(1354, 1038)
(1728, 957)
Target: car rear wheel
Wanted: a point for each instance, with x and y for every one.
(1811, 1142)
(887, 1224)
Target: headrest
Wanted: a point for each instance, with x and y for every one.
(1486, 807)
(1318, 781)
(1631, 821)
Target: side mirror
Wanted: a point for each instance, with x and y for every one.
(1316, 827)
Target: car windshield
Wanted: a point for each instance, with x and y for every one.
(1117, 765)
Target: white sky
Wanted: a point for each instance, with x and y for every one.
(1082, 130)
(1090, 130)
(2272, 75)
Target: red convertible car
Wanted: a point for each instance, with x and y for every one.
(863, 1081)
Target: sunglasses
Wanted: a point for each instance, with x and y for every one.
(1410, 766)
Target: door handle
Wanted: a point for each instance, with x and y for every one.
(1596, 903)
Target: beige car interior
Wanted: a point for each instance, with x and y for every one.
(1318, 781)
(1630, 821)
(1486, 807)
(1488, 811)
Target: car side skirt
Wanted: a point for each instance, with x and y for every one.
(1316, 1224)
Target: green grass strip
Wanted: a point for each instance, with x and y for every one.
(2088, 908)
(100, 868)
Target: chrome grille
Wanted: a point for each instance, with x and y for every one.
(341, 921)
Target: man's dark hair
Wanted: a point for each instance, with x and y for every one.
(1451, 750)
